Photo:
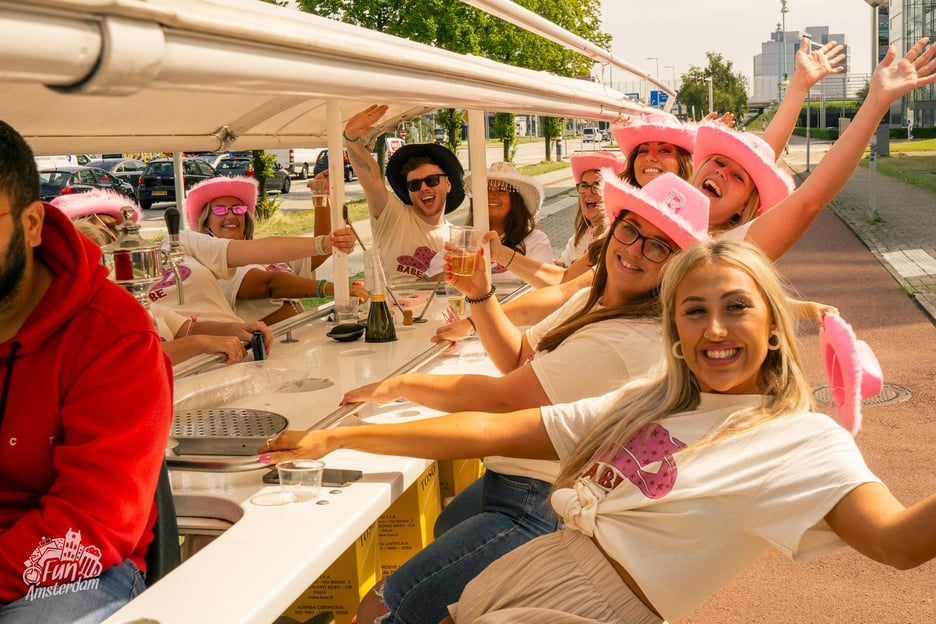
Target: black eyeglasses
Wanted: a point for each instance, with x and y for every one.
(584, 187)
(653, 249)
(431, 181)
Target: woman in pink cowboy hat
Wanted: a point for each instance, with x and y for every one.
(225, 207)
(613, 322)
(676, 483)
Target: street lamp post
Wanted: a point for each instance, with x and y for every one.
(872, 153)
(654, 58)
(711, 100)
(783, 11)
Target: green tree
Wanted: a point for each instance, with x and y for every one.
(262, 164)
(552, 128)
(455, 26)
(505, 129)
(729, 88)
(451, 120)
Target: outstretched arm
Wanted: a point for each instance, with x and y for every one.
(811, 67)
(285, 248)
(878, 526)
(364, 165)
(516, 390)
(535, 273)
(776, 230)
(456, 436)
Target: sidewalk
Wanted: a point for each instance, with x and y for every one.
(902, 238)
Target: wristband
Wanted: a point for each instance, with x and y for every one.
(319, 290)
(512, 256)
(482, 298)
(320, 246)
(474, 328)
(345, 136)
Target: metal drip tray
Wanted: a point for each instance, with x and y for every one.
(224, 431)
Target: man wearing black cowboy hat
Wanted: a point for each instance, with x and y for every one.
(409, 227)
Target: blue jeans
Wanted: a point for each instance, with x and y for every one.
(514, 510)
(466, 504)
(116, 586)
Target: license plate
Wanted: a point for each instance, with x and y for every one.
(160, 192)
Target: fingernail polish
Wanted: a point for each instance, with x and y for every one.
(264, 459)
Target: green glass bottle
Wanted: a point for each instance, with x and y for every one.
(379, 326)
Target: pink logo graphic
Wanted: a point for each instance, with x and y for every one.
(62, 560)
(168, 277)
(417, 263)
(646, 461)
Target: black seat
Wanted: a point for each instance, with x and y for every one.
(163, 554)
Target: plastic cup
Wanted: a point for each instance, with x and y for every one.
(346, 310)
(319, 188)
(301, 479)
(464, 242)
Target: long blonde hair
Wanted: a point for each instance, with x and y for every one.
(748, 210)
(646, 400)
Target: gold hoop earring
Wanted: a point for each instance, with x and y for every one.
(773, 346)
(676, 349)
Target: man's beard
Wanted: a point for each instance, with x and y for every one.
(13, 268)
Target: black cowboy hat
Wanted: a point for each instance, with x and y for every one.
(438, 154)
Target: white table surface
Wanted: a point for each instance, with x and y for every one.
(254, 570)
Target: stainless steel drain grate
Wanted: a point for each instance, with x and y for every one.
(224, 431)
(889, 394)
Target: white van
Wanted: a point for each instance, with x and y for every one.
(297, 162)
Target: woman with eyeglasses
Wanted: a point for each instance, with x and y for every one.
(610, 329)
(224, 207)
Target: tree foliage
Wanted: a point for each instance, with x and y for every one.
(451, 120)
(729, 88)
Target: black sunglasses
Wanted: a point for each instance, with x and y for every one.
(431, 181)
(653, 249)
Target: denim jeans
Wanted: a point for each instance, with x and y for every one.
(116, 586)
(514, 510)
(466, 504)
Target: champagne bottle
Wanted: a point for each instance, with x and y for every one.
(379, 326)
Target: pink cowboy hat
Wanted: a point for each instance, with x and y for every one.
(595, 161)
(96, 201)
(668, 202)
(241, 187)
(853, 371)
(750, 151)
(655, 127)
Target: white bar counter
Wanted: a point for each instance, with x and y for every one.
(254, 570)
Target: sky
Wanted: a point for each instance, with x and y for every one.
(680, 32)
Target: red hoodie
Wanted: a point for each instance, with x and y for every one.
(85, 409)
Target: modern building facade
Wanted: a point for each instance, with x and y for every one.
(902, 23)
(774, 65)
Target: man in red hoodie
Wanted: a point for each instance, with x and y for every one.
(85, 409)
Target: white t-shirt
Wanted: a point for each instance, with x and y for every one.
(683, 526)
(255, 309)
(537, 247)
(205, 262)
(596, 359)
(406, 242)
(573, 252)
(168, 323)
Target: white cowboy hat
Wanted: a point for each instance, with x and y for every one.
(530, 190)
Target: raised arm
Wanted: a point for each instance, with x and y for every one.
(456, 436)
(364, 165)
(776, 230)
(535, 273)
(811, 66)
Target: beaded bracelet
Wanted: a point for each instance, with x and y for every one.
(512, 256)
(320, 289)
(482, 298)
(320, 250)
(349, 139)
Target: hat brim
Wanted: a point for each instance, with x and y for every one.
(773, 183)
(530, 190)
(851, 368)
(441, 156)
(595, 161)
(241, 187)
(630, 136)
(78, 205)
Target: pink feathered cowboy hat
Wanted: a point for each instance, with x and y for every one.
(655, 127)
(241, 187)
(96, 201)
(595, 161)
(853, 371)
(749, 151)
(668, 202)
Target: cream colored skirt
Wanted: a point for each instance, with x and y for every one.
(560, 578)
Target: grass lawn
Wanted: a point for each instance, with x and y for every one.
(916, 169)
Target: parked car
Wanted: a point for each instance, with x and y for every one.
(240, 166)
(157, 183)
(127, 169)
(65, 180)
(606, 136)
(297, 162)
(591, 135)
(321, 164)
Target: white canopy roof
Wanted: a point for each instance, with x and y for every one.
(130, 75)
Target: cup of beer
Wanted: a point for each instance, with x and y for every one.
(464, 242)
(319, 188)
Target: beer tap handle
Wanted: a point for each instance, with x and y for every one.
(173, 226)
